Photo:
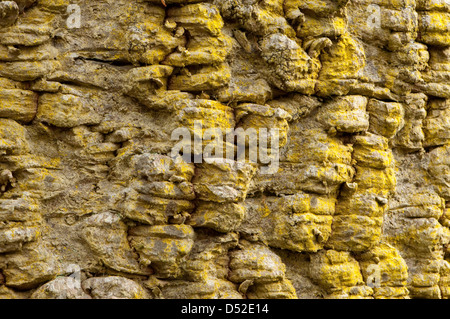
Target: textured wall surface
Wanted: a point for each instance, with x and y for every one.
(92, 205)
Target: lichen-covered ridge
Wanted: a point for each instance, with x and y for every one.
(93, 205)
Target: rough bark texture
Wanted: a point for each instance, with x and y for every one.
(93, 206)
